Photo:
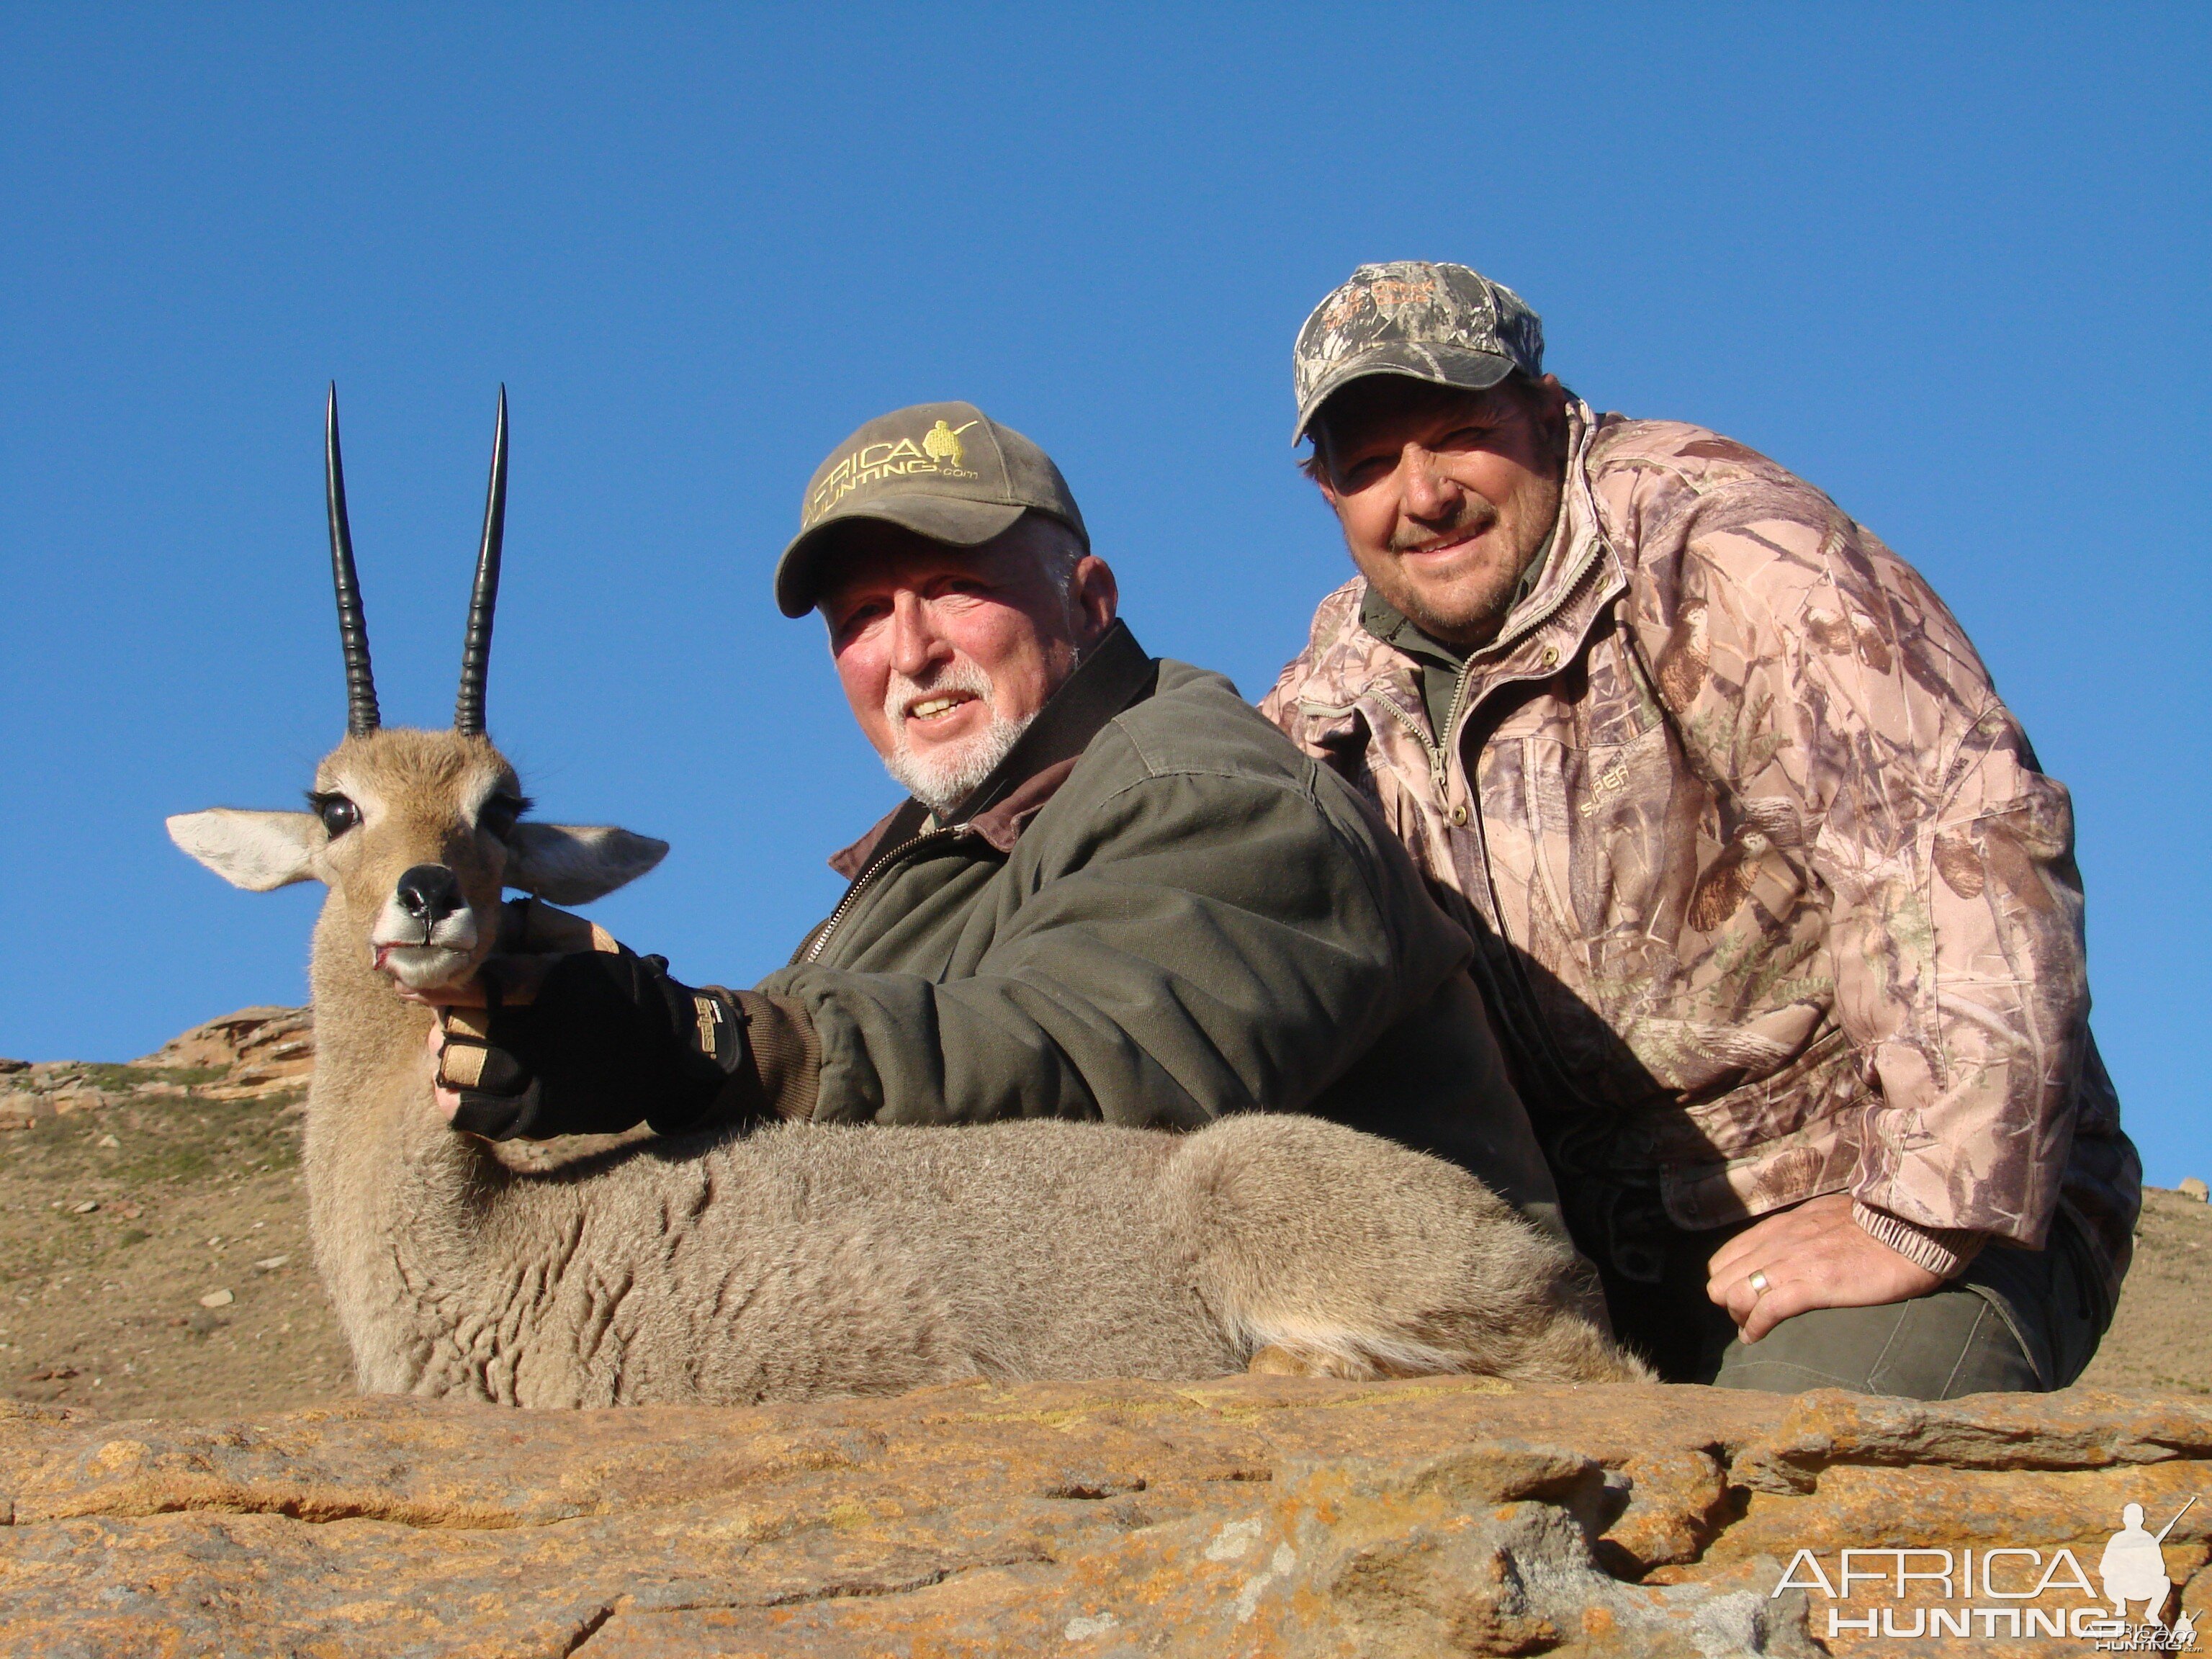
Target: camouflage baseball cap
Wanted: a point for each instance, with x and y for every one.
(1435, 322)
(944, 470)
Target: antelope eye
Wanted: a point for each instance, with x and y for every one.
(499, 814)
(337, 813)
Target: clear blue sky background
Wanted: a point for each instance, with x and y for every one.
(1947, 263)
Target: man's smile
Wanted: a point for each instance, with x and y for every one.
(1442, 549)
(938, 706)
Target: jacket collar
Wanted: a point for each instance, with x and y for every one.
(1564, 596)
(1114, 674)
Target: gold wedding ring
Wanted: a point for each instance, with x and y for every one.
(1759, 1284)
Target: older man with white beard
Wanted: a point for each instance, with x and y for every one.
(1115, 891)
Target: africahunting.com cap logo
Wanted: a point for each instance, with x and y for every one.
(938, 452)
(1900, 1593)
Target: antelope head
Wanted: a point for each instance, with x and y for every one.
(417, 832)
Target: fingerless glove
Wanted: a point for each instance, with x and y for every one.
(609, 1040)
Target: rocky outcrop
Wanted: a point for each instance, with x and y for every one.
(256, 1053)
(1250, 1515)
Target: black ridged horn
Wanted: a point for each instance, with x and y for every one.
(476, 649)
(361, 717)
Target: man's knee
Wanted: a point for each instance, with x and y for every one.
(1953, 1341)
(2016, 1321)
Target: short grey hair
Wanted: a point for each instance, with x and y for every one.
(1061, 554)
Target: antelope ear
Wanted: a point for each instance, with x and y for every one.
(253, 850)
(574, 864)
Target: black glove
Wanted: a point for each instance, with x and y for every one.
(607, 1039)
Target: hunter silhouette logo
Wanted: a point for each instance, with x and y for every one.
(941, 443)
(2133, 1566)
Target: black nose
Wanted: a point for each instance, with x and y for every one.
(429, 894)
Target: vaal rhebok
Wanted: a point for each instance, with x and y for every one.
(796, 1260)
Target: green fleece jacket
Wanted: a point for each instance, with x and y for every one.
(1156, 911)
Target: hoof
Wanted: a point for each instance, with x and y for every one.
(1275, 1360)
(1286, 1359)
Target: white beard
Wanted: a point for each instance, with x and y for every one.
(949, 773)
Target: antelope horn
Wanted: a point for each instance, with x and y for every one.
(361, 717)
(476, 649)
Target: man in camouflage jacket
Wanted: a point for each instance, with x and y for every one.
(1777, 915)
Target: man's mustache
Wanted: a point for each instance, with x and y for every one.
(1474, 516)
(957, 675)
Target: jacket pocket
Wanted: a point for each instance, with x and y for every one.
(1824, 1082)
(1601, 821)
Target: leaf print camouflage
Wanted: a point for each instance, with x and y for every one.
(1442, 323)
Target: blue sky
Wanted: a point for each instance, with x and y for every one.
(1947, 263)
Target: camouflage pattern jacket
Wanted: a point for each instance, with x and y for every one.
(1771, 899)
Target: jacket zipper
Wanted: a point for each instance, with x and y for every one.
(1531, 624)
(1439, 753)
(884, 861)
(1439, 747)
(1434, 750)
(1539, 1028)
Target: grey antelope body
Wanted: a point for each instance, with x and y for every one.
(797, 1260)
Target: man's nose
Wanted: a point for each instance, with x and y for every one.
(915, 641)
(429, 893)
(1430, 491)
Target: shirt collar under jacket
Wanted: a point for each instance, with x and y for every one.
(1440, 665)
(1382, 619)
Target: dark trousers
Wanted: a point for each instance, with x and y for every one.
(2015, 1320)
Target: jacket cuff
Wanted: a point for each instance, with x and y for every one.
(1942, 1250)
(784, 1050)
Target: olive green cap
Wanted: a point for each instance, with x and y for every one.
(945, 471)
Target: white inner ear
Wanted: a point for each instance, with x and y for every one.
(574, 864)
(253, 850)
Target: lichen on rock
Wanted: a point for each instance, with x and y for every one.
(1250, 1515)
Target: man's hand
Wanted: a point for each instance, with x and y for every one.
(447, 1097)
(533, 938)
(587, 1043)
(518, 978)
(1815, 1255)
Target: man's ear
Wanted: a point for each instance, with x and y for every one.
(1094, 596)
(256, 851)
(1551, 409)
(1315, 466)
(574, 864)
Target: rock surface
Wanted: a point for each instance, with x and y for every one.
(256, 1053)
(260, 1051)
(1246, 1517)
